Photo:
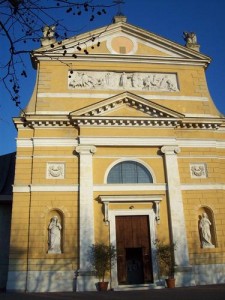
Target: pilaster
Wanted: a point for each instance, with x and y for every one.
(176, 210)
(86, 214)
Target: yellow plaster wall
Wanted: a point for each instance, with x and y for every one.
(213, 165)
(53, 78)
(193, 201)
(31, 214)
(150, 51)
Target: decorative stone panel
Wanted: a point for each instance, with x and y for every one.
(198, 170)
(55, 171)
(121, 80)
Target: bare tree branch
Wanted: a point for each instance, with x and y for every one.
(21, 25)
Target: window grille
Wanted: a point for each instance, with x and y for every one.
(129, 172)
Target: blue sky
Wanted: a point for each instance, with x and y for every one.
(167, 18)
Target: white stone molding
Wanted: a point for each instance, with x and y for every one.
(26, 143)
(47, 142)
(151, 141)
(122, 81)
(175, 203)
(86, 212)
(129, 187)
(202, 187)
(113, 187)
(198, 170)
(107, 95)
(55, 142)
(131, 199)
(21, 189)
(127, 141)
(55, 170)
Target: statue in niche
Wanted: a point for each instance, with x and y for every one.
(204, 226)
(54, 236)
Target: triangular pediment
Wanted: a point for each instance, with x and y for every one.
(120, 39)
(126, 105)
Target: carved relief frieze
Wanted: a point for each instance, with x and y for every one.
(198, 170)
(122, 80)
(55, 170)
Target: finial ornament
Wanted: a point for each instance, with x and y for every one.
(119, 17)
(48, 35)
(119, 2)
(191, 40)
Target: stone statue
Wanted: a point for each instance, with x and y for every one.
(48, 31)
(205, 232)
(54, 236)
(48, 35)
(190, 38)
(116, 80)
(123, 80)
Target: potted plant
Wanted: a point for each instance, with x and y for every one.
(166, 262)
(102, 258)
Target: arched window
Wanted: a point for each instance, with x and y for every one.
(129, 172)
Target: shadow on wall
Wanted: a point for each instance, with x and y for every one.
(5, 221)
(7, 171)
(44, 271)
(53, 270)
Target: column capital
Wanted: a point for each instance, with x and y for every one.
(171, 149)
(86, 149)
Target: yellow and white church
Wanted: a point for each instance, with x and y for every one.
(122, 146)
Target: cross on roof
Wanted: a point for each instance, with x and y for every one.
(119, 2)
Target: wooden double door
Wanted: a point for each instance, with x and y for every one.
(134, 264)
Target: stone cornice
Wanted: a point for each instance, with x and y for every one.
(166, 121)
(120, 59)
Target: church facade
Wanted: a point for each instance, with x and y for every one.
(121, 143)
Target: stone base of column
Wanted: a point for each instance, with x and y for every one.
(184, 276)
(85, 280)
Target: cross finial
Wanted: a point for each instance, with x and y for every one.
(119, 17)
(119, 2)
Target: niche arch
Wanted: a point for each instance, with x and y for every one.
(52, 213)
(204, 225)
